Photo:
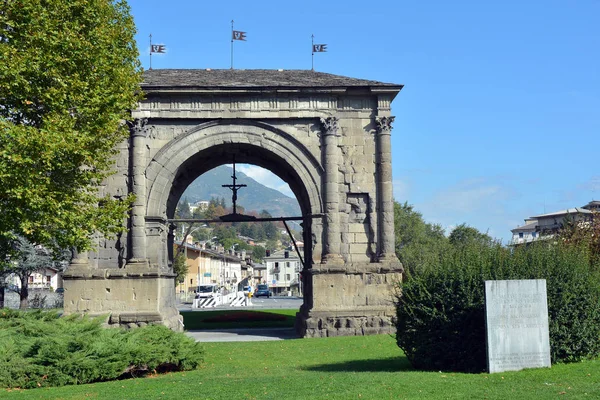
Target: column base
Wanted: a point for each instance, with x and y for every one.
(349, 323)
(127, 298)
(356, 300)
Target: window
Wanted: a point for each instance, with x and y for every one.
(287, 264)
(520, 234)
(287, 277)
(276, 277)
(533, 234)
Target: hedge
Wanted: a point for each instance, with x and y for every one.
(441, 310)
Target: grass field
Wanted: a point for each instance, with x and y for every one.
(369, 367)
(228, 319)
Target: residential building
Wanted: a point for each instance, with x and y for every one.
(283, 270)
(211, 266)
(46, 278)
(546, 225)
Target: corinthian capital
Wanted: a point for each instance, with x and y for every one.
(139, 127)
(330, 125)
(384, 124)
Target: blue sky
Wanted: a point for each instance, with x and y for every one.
(499, 119)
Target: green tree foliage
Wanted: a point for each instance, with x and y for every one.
(258, 253)
(201, 234)
(183, 209)
(69, 76)
(180, 267)
(464, 234)
(583, 233)
(440, 312)
(418, 243)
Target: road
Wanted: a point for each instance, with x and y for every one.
(248, 335)
(257, 303)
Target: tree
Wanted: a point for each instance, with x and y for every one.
(25, 259)
(183, 210)
(418, 243)
(69, 76)
(201, 234)
(180, 267)
(258, 253)
(464, 234)
(583, 233)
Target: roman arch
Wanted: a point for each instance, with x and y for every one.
(327, 136)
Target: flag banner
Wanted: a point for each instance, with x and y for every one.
(158, 48)
(238, 35)
(319, 48)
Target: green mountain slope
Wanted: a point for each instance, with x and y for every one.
(253, 197)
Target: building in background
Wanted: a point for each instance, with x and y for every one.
(226, 269)
(546, 225)
(283, 270)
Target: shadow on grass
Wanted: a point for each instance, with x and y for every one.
(391, 364)
(232, 319)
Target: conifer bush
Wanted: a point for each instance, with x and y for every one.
(39, 349)
(441, 309)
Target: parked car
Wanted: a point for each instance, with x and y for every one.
(60, 290)
(207, 290)
(262, 290)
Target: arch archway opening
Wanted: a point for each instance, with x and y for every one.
(241, 256)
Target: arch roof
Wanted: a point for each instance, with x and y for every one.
(255, 78)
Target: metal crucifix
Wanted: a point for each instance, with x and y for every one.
(234, 188)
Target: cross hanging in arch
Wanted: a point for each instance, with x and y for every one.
(234, 188)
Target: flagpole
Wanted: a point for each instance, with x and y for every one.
(231, 44)
(150, 51)
(312, 47)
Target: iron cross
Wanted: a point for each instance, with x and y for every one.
(234, 188)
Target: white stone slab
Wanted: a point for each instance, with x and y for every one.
(517, 325)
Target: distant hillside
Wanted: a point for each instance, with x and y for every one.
(253, 197)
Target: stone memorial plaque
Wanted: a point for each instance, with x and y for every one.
(517, 325)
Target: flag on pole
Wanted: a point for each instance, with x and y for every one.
(319, 48)
(158, 48)
(238, 35)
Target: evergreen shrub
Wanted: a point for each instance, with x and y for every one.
(441, 309)
(39, 349)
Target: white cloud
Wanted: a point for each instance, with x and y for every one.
(266, 178)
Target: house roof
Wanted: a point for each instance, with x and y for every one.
(211, 253)
(280, 254)
(527, 227)
(253, 78)
(575, 210)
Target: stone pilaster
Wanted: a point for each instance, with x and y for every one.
(385, 190)
(332, 242)
(139, 132)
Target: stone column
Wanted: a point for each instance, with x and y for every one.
(385, 202)
(139, 132)
(332, 242)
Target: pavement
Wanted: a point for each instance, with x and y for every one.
(243, 335)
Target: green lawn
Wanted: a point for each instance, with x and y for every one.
(228, 319)
(369, 367)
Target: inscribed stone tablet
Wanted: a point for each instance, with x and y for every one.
(517, 325)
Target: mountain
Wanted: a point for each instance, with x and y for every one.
(254, 196)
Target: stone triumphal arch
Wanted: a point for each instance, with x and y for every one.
(327, 136)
